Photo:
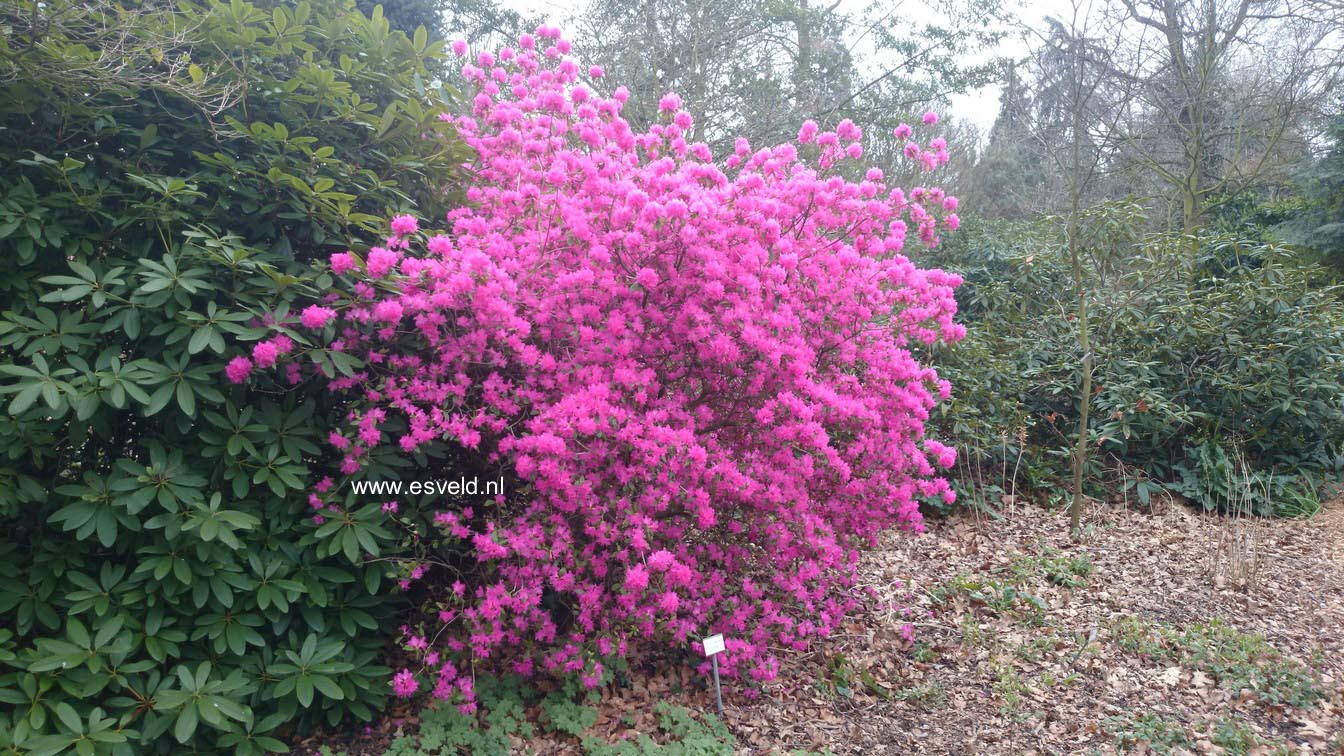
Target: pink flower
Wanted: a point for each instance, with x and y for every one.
(238, 369)
(342, 262)
(636, 579)
(669, 602)
(405, 224)
(596, 72)
(265, 354)
(404, 684)
(382, 260)
(903, 131)
(660, 560)
(611, 309)
(930, 118)
(460, 47)
(646, 278)
(316, 316)
(440, 245)
(388, 311)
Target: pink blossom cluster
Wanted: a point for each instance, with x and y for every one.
(698, 374)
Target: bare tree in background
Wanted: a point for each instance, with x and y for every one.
(1215, 92)
(758, 68)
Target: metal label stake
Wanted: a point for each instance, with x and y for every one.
(713, 647)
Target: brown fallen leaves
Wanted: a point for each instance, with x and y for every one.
(1029, 644)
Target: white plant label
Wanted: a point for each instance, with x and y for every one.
(714, 644)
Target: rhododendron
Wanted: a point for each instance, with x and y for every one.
(388, 310)
(264, 354)
(342, 262)
(316, 316)
(405, 224)
(238, 369)
(404, 684)
(381, 261)
(698, 380)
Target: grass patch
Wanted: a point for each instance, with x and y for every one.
(1037, 648)
(972, 633)
(1008, 686)
(1159, 734)
(1237, 739)
(930, 695)
(995, 596)
(1237, 660)
(924, 653)
(1054, 566)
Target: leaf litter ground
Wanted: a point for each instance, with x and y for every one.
(1161, 631)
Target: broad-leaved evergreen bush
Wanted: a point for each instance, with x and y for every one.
(168, 170)
(1218, 363)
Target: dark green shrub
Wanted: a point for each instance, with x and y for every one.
(1218, 369)
(987, 415)
(163, 585)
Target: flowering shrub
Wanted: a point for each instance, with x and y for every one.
(697, 379)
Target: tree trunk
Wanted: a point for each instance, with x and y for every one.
(1080, 449)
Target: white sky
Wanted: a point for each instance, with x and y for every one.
(979, 107)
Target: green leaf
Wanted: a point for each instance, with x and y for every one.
(328, 687)
(303, 689)
(66, 713)
(200, 339)
(186, 723)
(25, 399)
(186, 399)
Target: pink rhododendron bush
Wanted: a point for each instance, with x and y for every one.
(695, 376)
